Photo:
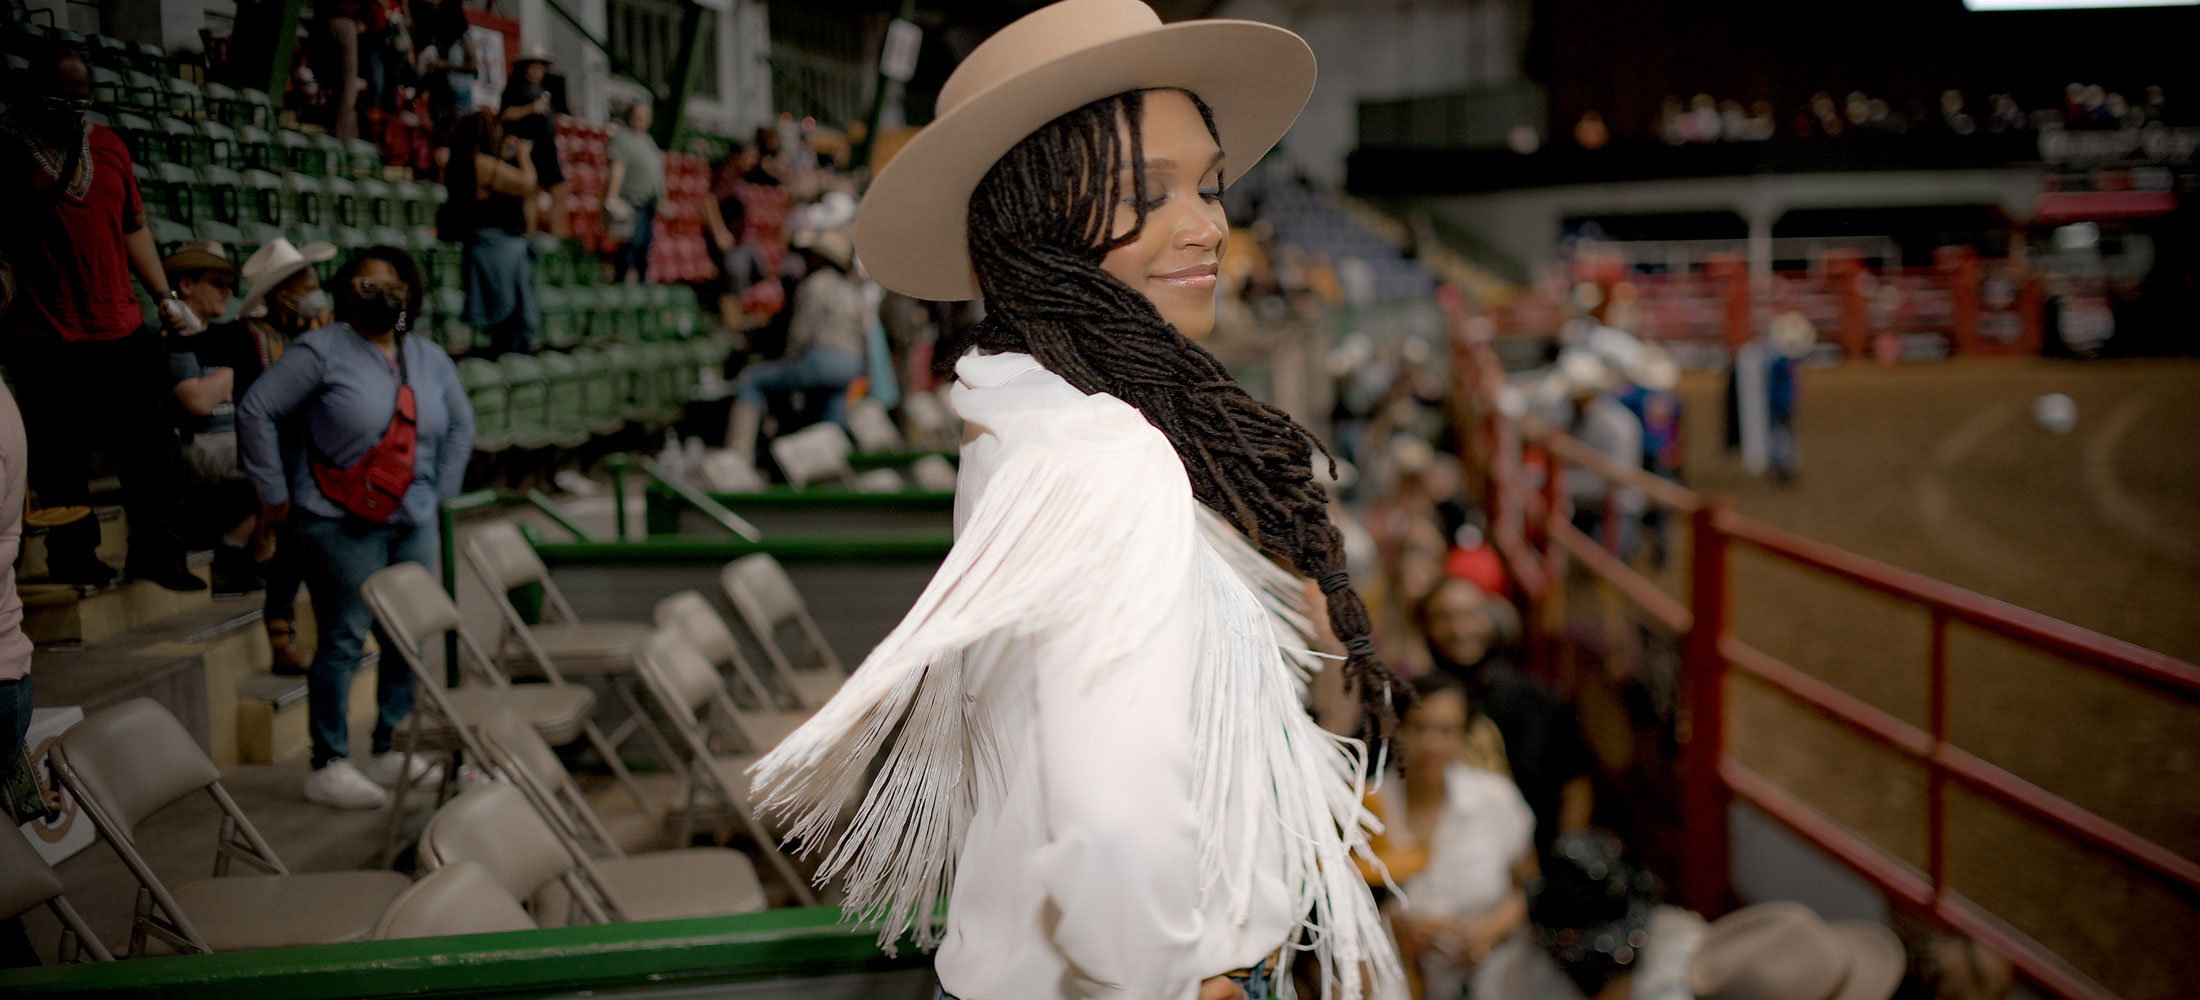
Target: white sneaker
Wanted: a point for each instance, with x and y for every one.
(340, 786)
(384, 769)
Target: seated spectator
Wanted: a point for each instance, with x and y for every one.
(284, 300)
(1457, 839)
(637, 184)
(207, 393)
(1550, 758)
(492, 180)
(337, 391)
(825, 340)
(90, 378)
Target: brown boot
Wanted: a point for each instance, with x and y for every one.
(282, 639)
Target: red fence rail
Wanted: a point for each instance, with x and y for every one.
(1532, 530)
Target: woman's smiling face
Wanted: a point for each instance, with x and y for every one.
(1172, 261)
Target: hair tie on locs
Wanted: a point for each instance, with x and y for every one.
(1330, 583)
(1360, 646)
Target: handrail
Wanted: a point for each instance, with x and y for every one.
(550, 508)
(701, 501)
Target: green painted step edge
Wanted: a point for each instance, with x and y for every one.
(827, 548)
(826, 498)
(534, 963)
(893, 459)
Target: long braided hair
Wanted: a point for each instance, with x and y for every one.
(1039, 228)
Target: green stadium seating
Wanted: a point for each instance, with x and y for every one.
(446, 266)
(261, 108)
(185, 143)
(485, 389)
(144, 94)
(414, 209)
(558, 328)
(168, 234)
(378, 203)
(349, 238)
(296, 152)
(230, 237)
(264, 198)
(109, 89)
(340, 195)
(331, 151)
(151, 58)
(387, 236)
(530, 397)
(224, 193)
(184, 97)
(147, 146)
(223, 104)
(603, 397)
(625, 362)
(362, 159)
(174, 183)
(451, 328)
(257, 148)
(222, 142)
(107, 50)
(304, 203)
(566, 413)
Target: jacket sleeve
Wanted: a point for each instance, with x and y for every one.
(285, 386)
(457, 446)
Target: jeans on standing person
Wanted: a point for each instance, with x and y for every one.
(814, 370)
(500, 290)
(338, 555)
(634, 256)
(283, 575)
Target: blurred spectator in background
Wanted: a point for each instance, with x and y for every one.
(444, 61)
(337, 389)
(492, 179)
(1597, 925)
(825, 340)
(1953, 967)
(220, 501)
(336, 61)
(283, 300)
(1650, 393)
(1457, 839)
(89, 377)
(747, 214)
(637, 184)
(385, 51)
(1790, 340)
(528, 110)
(1593, 417)
(1468, 631)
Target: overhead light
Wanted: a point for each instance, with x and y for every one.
(2072, 4)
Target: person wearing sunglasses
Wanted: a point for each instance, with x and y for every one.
(376, 432)
(90, 373)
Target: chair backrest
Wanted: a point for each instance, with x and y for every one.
(814, 453)
(492, 824)
(130, 761)
(503, 557)
(933, 473)
(761, 592)
(458, 898)
(682, 672)
(26, 881)
(410, 604)
(691, 615)
(873, 428)
(523, 748)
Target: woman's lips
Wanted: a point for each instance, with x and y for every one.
(1201, 278)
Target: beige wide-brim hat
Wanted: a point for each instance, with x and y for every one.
(1784, 951)
(1792, 334)
(272, 264)
(911, 231)
(831, 244)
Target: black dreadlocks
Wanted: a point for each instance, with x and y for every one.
(1039, 227)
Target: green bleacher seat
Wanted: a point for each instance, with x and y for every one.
(484, 384)
(225, 192)
(552, 265)
(151, 58)
(260, 234)
(230, 237)
(378, 203)
(221, 103)
(107, 50)
(604, 321)
(387, 236)
(625, 363)
(446, 265)
(295, 150)
(451, 329)
(332, 153)
(566, 409)
(258, 149)
(558, 328)
(349, 239)
(303, 201)
(340, 196)
(186, 144)
(109, 89)
(530, 397)
(413, 207)
(144, 93)
(177, 200)
(184, 97)
(685, 372)
(18, 65)
(602, 397)
(362, 159)
(168, 234)
(221, 141)
(422, 243)
(261, 108)
(264, 201)
(137, 132)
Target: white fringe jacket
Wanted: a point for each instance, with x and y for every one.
(1103, 761)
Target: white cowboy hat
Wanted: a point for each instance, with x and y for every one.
(1654, 369)
(1783, 951)
(831, 244)
(272, 264)
(911, 232)
(833, 211)
(1792, 334)
(1582, 370)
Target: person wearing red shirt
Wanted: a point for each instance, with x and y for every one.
(90, 375)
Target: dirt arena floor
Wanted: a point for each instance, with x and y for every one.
(1941, 469)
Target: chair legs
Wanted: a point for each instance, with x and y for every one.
(75, 934)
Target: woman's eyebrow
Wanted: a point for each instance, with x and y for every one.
(1164, 163)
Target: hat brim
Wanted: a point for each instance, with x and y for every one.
(1876, 960)
(308, 255)
(911, 231)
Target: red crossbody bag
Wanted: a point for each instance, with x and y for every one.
(374, 487)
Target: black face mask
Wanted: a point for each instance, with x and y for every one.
(373, 314)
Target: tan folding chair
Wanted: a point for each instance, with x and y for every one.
(690, 614)
(687, 689)
(133, 760)
(873, 428)
(766, 599)
(459, 898)
(27, 882)
(819, 453)
(412, 609)
(494, 825)
(566, 648)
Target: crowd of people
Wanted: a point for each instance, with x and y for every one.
(1704, 119)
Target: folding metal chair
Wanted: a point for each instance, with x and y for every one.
(567, 647)
(494, 825)
(766, 599)
(687, 689)
(873, 428)
(458, 898)
(410, 606)
(133, 760)
(690, 614)
(27, 882)
(819, 453)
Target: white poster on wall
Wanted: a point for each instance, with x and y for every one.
(71, 831)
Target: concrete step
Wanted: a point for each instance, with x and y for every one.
(60, 613)
(114, 533)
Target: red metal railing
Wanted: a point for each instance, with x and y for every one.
(1531, 529)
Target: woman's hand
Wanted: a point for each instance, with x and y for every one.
(1221, 988)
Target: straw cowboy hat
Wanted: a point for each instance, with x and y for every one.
(911, 229)
(197, 258)
(273, 264)
(831, 244)
(1783, 951)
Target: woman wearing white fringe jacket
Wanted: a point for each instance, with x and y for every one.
(1103, 765)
